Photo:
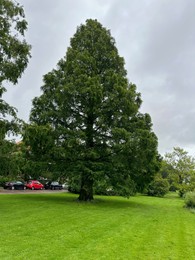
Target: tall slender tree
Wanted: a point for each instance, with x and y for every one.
(94, 111)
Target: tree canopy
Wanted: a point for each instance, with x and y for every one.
(179, 168)
(93, 109)
(14, 57)
(14, 50)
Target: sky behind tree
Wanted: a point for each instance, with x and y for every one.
(156, 39)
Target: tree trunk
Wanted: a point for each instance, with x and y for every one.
(86, 192)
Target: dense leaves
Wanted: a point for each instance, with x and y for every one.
(14, 51)
(158, 187)
(94, 112)
(179, 169)
(14, 56)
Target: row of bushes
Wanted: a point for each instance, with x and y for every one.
(160, 186)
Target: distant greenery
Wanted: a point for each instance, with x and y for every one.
(190, 199)
(55, 226)
(158, 187)
(178, 168)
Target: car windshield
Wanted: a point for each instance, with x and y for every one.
(55, 183)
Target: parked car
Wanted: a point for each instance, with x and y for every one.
(53, 185)
(34, 185)
(14, 185)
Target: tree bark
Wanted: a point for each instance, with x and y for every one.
(86, 192)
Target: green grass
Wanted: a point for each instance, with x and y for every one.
(55, 226)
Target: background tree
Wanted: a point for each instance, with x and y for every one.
(94, 111)
(14, 51)
(158, 187)
(14, 56)
(38, 150)
(180, 170)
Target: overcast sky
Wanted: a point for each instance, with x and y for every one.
(156, 39)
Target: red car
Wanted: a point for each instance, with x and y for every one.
(34, 185)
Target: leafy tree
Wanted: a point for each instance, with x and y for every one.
(158, 187)
(180, 170)
(14, 56)
(94, 111)
(14, 51)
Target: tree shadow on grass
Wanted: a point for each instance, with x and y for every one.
(69, 198)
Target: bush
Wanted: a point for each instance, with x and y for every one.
(186, 187)
(158, 187)
(3, 180)
(190, 199)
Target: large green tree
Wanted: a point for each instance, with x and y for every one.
(94, 111)
(14, 56)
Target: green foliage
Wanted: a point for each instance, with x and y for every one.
(179, 169)
(15, 52)
(14, 56)
(39, 141)
(94, 113)
(158, 187)
(190, 199)
(3, 180)
(186, 187)
(8, 159)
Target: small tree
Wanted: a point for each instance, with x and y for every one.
(180, 168)
(158, 187)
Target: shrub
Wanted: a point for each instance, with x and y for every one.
(190, 199)
(186, 187)
(158, 187)
(3, 180)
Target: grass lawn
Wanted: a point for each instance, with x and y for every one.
(54, 226)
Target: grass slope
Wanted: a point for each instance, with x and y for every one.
(55, 226)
